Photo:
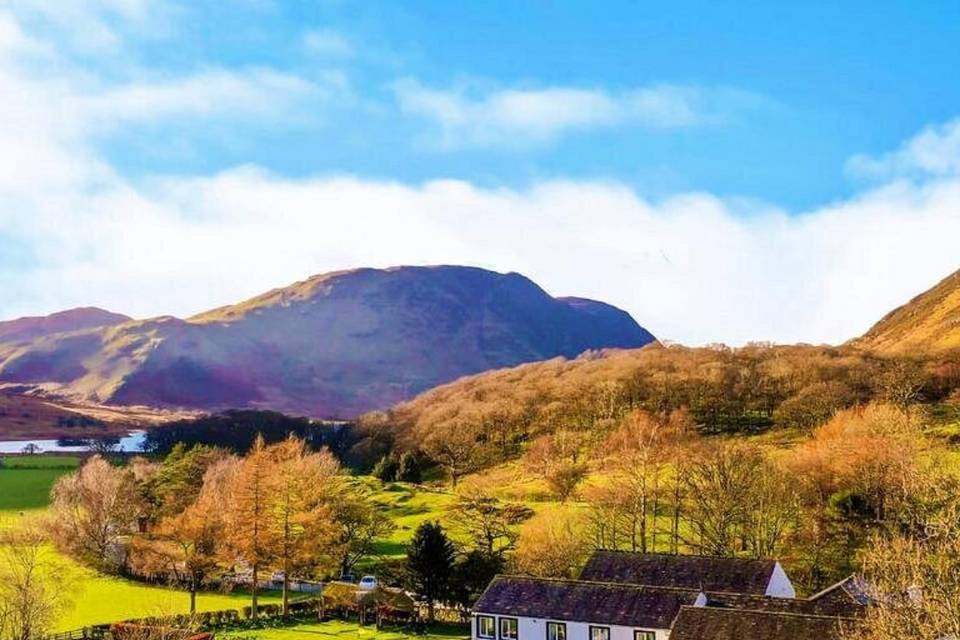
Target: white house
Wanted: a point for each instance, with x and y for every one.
(628, 596)
(524, 608)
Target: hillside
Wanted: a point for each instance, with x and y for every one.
(25, 329)
(335, 345)
(930, 323)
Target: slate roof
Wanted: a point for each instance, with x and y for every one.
(652, 607)
(580, 601)
(853, 591)
(733, 575)
(705, 623)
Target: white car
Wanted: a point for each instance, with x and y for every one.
(368, 582)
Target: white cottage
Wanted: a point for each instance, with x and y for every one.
(630, 596)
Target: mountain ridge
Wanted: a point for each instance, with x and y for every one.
(929, 323)
(333, 345)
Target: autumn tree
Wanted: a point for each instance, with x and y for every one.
(185, 547)
(34, 584)
(456, 447)
(92, 511)
(915, 585)
(251, 536)
(738, 502)
(551, 544)
(302, 486)
(359, 526)
(490, 523)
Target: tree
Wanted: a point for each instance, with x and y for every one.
(456, 447)
(916, 587)
(471, 575)
(250, 535)
(184, 547)
(359, 525)
(179, 478)
(564, 478)
(551, 545)
(489, 522)
(301, 487)
(430, 562)
(93, 510)
(408, 469)
(719, 485)
(34, 584)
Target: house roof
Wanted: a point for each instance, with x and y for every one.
(705, 623)
(735, 575)
(853, 590)
(580, 601)
(652, 607)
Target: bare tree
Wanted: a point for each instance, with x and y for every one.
(93, 510)
(34, 584)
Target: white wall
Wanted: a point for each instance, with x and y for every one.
(780, 585)
(536, 629)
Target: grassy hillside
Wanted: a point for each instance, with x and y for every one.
(496, 416)
(930, 323)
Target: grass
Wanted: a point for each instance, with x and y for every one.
(25, 482)
(408, 506)
(337, 630)
(99, 599)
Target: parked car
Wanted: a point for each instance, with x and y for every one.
(347, 577)
(368, 582)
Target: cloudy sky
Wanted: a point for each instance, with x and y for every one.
(767, 172)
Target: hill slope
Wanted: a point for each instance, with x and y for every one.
(930, 323)
(23, 329)
(335, 345)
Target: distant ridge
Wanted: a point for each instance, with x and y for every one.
(32, 327)
(334, 345)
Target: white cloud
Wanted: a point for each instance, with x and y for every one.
(327, 43)
(692, 267)
(934, 151)
(534, 116)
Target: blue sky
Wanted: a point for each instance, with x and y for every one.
(725, 171)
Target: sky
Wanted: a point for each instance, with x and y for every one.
(726, 172)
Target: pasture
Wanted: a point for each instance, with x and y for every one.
(337, 630)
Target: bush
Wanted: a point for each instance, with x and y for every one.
(387, 468)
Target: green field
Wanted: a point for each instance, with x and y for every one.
(25, 481)
(336, 630)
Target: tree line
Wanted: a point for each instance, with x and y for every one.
(481, 421)
(202, 513)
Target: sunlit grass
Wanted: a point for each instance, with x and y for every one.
(337, 630)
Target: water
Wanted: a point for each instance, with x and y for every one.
(132, 442)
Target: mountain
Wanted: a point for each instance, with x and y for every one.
(335, 345)
(928, 324)
(25, 329)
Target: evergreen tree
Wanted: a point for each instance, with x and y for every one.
(409, 469)
(430, 562)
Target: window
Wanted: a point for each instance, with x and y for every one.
(599, 633)
(556, 631)
(509, 629)
(486, 627)
(644, 635)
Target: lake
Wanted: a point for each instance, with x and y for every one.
(131, 442)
